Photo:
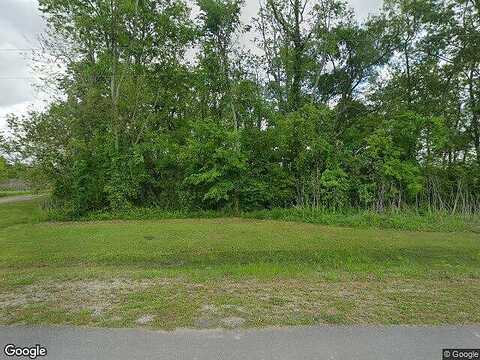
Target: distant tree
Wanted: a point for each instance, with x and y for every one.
(3, 169)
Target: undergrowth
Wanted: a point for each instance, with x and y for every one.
(399, 220)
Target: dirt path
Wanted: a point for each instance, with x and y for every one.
(17, 198)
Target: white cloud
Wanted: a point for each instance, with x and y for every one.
(20, 25)
(363, 8)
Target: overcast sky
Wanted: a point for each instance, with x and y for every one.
(20, 25)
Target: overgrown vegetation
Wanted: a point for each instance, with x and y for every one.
(399, 220)
(160, 106)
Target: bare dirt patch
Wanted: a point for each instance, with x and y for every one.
(145, 319)
(173, 302)
(96, 296)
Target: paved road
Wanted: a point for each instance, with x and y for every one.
(316, 343)
(17, 198)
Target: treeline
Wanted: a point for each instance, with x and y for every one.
(16, 171)
(162, 106)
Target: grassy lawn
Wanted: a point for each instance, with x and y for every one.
(208, 273)
(26, 212)
(5, 193)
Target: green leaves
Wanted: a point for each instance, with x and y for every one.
(3, 169)
(220, 17)
(161, 109)
(214, 164)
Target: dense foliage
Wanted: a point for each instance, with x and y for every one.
(162, 106)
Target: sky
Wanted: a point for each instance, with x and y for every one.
(20, 27)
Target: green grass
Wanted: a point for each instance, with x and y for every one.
(205, 272)
(5, 193)
(21, 213)
(236, 246)
(398, 220)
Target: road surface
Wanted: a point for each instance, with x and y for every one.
(313, 343)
